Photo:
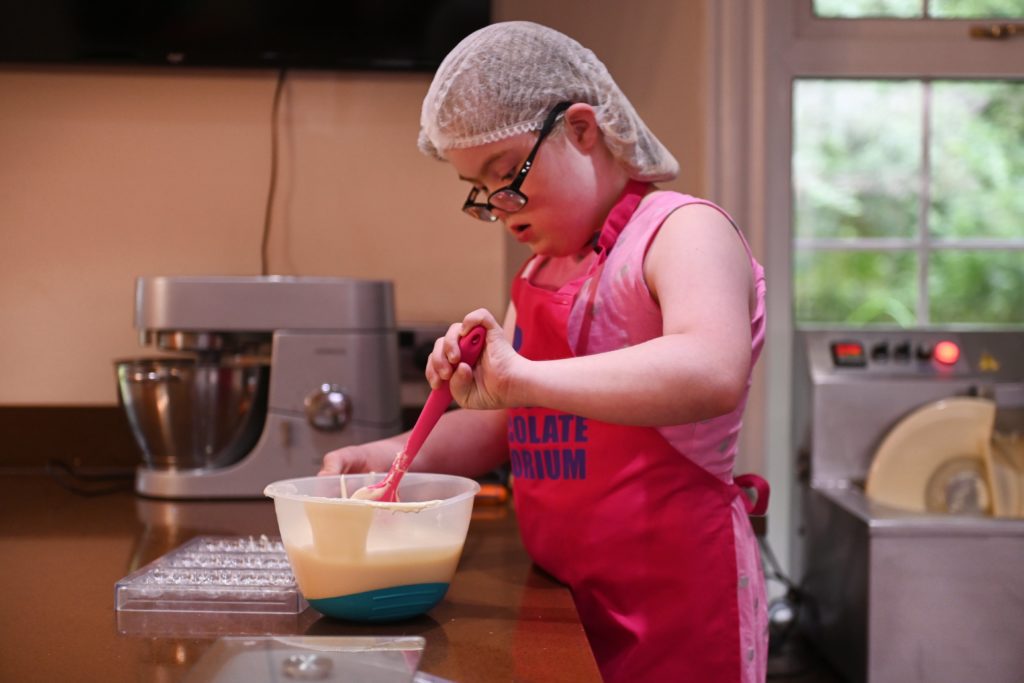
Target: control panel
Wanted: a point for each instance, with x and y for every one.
(917, 352)
(855, 353)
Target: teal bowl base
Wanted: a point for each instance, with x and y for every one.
(385, 604)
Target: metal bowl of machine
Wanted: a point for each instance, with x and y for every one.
(363, 560)
(189, 413)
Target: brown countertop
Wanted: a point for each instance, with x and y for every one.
(62, 553)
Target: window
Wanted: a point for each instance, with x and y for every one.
(908, 201)
(908, 193)
(918, 9)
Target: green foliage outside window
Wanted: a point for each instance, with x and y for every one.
(861, 172)
(977, 159)
(910, 9)
(985, 287)
(855, 287)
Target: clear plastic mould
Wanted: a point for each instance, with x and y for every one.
(245, 574)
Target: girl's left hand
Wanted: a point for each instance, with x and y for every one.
(486, 386)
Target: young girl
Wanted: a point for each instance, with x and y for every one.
(616, 384)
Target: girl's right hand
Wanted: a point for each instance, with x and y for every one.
(484, 387)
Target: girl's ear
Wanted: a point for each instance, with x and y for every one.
(581, 126)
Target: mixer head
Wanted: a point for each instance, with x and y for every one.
(209, 343)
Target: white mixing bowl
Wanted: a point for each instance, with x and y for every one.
(368, 561)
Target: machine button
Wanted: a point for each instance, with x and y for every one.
(328, 408)
(924, 351)
(848, 354)
(880, 352)
(901, 352)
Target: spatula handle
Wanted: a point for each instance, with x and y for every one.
(470, 347)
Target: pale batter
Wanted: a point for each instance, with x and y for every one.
(345, 558)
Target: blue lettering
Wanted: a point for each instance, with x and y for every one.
(549, 463)
(581, 430)
(566, 421)
(526, 465)
(552, 464)
(575, 463)
(519, 427)
(550, 429)
(556, 428)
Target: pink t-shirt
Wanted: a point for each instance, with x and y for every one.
(625, 314)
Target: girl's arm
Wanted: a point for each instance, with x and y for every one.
(700, 275)
(469, 443)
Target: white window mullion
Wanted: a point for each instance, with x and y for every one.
(860, 244)
(923, 229)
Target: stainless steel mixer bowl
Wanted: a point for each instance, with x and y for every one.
(187, 413)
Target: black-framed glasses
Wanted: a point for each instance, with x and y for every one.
(509, 198)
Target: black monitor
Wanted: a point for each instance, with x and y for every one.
(406, 35)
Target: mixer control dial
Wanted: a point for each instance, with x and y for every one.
(328, 408)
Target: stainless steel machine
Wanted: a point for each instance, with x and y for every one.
(926, 582)
(260, 376)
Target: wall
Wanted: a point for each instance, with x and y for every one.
(108, 174)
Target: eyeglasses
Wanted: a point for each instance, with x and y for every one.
(509, 198)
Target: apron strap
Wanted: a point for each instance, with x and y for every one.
(758, 505)
(618, 217)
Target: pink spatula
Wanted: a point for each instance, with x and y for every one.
(437, 403)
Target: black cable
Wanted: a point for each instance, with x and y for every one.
(274, 111)
(88, 485)
(781, 632)
(777, 572)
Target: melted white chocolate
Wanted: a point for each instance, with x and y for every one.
(345, 558)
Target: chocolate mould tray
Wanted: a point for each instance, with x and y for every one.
(246, 574)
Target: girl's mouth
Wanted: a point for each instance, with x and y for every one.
(521, 232)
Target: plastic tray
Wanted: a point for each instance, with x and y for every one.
(215, 574)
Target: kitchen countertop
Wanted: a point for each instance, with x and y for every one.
(61, 554)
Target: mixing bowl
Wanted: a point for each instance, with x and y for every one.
(370, 561)
(187, 413)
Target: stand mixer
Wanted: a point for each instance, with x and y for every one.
(263, 376)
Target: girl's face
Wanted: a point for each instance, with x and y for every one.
(564, 208)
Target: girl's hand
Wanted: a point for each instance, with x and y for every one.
(485, 387)
(370, 457)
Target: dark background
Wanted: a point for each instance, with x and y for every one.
(344, 34)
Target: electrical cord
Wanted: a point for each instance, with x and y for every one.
(272, 189)
(776, 568)
(88, 485)
(783, 616)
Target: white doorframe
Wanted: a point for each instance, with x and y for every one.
(748, 172)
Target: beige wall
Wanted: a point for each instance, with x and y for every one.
(108, 174)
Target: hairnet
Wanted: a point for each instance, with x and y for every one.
(503, 80)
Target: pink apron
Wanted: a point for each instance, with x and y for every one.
(641, 535)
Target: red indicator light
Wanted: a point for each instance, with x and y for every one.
(848, 354)
(845, 350)
(947, 352)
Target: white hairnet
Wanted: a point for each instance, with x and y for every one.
(503, 80)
